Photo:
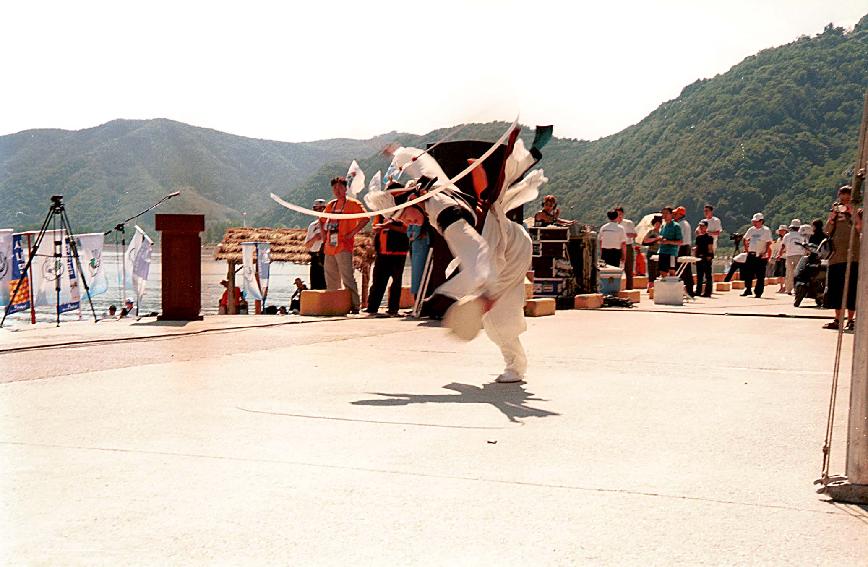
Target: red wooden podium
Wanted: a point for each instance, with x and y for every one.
(181, 250)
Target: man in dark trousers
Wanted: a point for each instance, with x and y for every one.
(686, 248)
(313, 241)
(704, 251)
(391, 245)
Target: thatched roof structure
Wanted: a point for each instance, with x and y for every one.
(287, 245)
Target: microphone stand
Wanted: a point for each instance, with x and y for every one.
(120, 227)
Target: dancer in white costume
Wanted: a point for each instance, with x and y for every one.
(489, 287)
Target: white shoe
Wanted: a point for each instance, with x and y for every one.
(509, 376)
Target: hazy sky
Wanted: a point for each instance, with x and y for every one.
(309, 70)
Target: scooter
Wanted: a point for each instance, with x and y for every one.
(810, 277)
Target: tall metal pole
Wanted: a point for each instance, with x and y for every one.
(855, 488)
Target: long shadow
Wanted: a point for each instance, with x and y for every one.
(509, 399)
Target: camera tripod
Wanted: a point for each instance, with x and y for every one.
(56, 213)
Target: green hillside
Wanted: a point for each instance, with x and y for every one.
(116, 170)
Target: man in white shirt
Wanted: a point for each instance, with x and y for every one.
(714, 225)
(792, 251)
(613, 241)
(630, 231)
(686, 248)
(313, 243)
(758, 245)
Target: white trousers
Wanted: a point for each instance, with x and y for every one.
(792, 264)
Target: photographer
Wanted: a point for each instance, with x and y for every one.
(838, 226)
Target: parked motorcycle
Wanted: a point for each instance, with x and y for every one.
(810, 277)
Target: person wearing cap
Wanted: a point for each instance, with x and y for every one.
(629, 250)
(704, 251)
(839, 225)
(339, 240)
(127, 309)
(313, 242)
(758, 245)
(792, 250)
(777, 266)
(686, 248)
(224, 299)
(670, 240)
(295, 298)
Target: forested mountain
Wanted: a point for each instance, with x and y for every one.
(118, 169)
(776, 133)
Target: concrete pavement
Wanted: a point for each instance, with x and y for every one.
(640, 437)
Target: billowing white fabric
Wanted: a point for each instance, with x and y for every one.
(263, 265)
(355, 179)
(141, 264)
(5, 264)
(248, 271)
(90, 253)
(376, 198)
(471, 251)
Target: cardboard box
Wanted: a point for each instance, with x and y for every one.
(722, 286)
(588, 301)
(539, 307)
(528, 289)
(323, 302)
(718, 277)
(737, 284)
(633, 295)
(640, 282)
(650, 293)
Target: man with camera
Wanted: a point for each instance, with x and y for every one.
(838, 226)
(758, 245)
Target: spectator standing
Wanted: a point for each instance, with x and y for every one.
(613, 241)
(339, 241)
(714, 225)
(792, 251)
(758, 245)
(704, 251)
(419, 235)
(670, 240)
(313, 242)
(777, 266)
(686, 248)
(629, 257)
(391, 246)
(651, 241)
(838, 227)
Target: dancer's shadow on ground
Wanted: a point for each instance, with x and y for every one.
(510, 399)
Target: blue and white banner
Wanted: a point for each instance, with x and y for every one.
(5, 264)
(263, 265)
(21, 301)
(90, 248)
(248, 272)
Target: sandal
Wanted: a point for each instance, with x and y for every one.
(851, 325)
(833, 325)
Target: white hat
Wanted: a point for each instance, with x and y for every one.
(782, 227)
(757, 217)
(795, 223)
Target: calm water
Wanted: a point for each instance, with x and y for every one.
(279, 291)
(280, 288)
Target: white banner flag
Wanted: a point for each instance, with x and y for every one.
(139, 256)
(90, 253)
(5, 264)
(263, 264)
(47, 268)
(355, 179)
(248, 271)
